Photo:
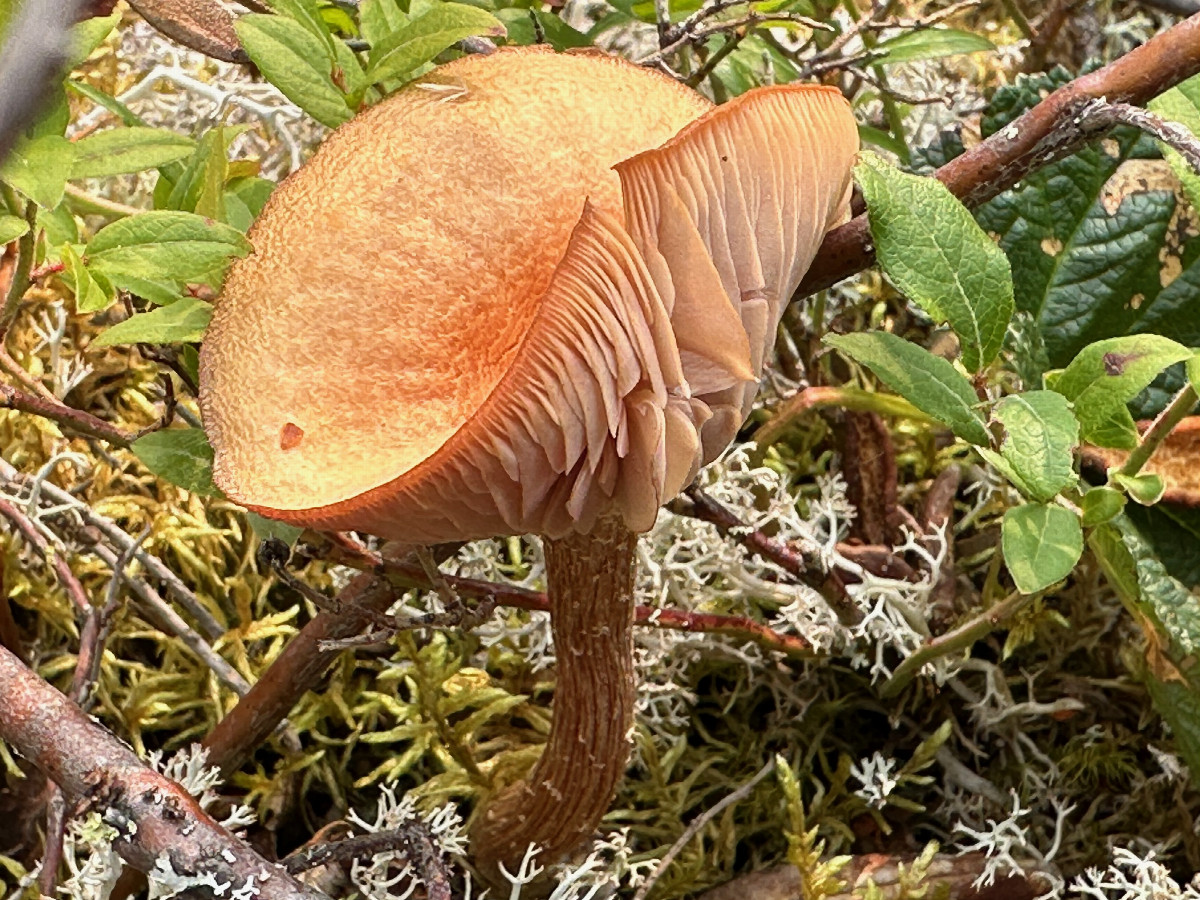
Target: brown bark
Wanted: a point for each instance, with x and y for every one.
(155, 818)
(590, 580)
(1044, 134)
(298, 669)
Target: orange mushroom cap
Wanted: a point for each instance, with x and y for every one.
(526, 291)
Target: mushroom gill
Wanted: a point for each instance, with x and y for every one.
(536, 304)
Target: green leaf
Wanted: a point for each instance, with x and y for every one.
(89, 34)
(932, 43)
(518, 23)
(1193, 371)
(1181, 104)
(307, 14)
(122, 150)
(929, 245)
(1108, 374)
(1146, 489)
(1042, 543)
(1178, 702)
(181, 456)
(182, 321)
(1085, 252)
(1100, 505)
(295, 61)
(273, 528)
(425, 37)
(161, 243)
(1040, 436)
(379, 18)
(200, 187)
(928, 382)
(39, 169)
(107, 101)
(11, 228)
(90, 295)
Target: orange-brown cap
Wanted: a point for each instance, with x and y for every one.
(526, 291)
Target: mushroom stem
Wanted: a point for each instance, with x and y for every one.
(590, 581)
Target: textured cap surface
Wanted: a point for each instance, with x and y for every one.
(458, 320)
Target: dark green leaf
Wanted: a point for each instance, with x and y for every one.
(928, 382)
(122, 150)
(181, 456)
(933, 250)
(182, 321)
(1085, 256)
(273, 528)
(296, 62)
(1042, 543)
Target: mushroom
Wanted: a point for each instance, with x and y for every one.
(529, 293)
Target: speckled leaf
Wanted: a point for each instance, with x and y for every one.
(1108, 374)
(928, 382)
(295, 61)
(1084, 251)
(933, 250)
(181, 456)
(184, 320)
(1042, 543)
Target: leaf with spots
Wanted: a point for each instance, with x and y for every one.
(1108, 374)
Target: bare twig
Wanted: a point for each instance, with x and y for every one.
(157, 821)
(74, 419)
(1043, 135)
(52, 557)
(697, 824)
(176, 589)
(411, 838)
(1174, 135)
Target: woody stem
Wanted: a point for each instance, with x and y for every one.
(557, 807)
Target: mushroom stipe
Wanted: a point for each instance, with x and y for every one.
(470, 314)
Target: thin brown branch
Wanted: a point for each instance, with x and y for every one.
(76, 420)
(56, 561)
(361, 605)
(1174, 135)
(155, 818)
(1043, 135)
(119, 538)
(412, 839)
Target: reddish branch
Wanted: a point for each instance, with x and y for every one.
(1043, 135)
(157, 821)
(75, 419)
(360, 606)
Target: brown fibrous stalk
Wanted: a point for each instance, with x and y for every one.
(557, 807)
